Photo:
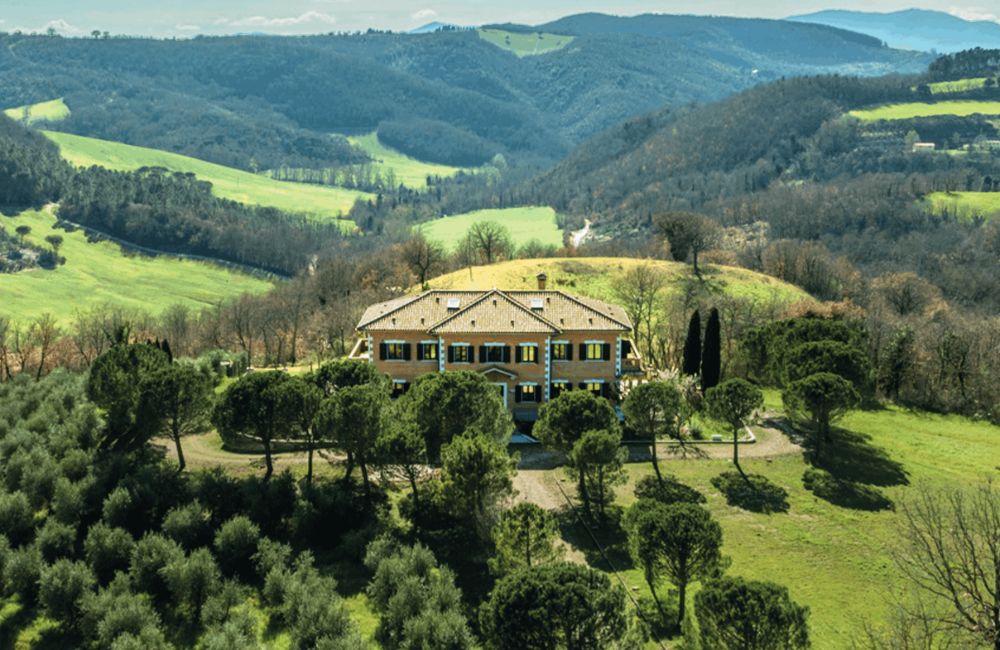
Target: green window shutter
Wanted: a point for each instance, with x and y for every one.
(420, 351)
(506, 354)
(382, 351)
(569, 352)
(451, 354)
(483, 358)
(518, 357)
(607, 352)
(406, 351)
(517, 394)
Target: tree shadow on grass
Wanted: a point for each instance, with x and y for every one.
(851, 457)
(609, 535)
(845, 494)
(754, 493)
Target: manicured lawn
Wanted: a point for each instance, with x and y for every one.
(100, 273)
(55, 110)
(960, 108)
(319, 201)
(525, 224)
(408, 171)
(525, 44)
(594, 277)
(834, 559)
(965, 205)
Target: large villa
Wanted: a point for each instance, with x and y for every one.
(532, 344)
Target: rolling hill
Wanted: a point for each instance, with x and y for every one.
(317, 201)
(98, 273)
(271, 102)
(54, 110)
(593, 277)
(913, 29)
(525, 225)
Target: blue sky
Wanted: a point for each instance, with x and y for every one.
(191, 17)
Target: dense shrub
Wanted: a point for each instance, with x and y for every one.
(68, 501)
(150, 556)
(62, 588)
(118, 508)
(755, 493)
(21, 573)
(235, 546)
(16, 518)
(107, 550)
(56, 540)
(188, 525)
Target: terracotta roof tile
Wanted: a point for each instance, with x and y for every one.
(513, 311)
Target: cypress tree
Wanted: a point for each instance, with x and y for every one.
(692, 346)
(711, 355)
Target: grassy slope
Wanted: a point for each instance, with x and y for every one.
(961, 108)
(961, 85)
(318, 201)
(410, 172)
(55, 110)
(833, 559)
(525, 44)
(100, 272)
(524, 224)
(593, 276)
(965, 205)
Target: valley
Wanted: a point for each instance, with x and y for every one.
(102, 274)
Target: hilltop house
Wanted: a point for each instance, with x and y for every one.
(532, 344)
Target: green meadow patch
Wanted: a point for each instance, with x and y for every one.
(318, 201)
(55, 110)
(965, 205)
(958, 86)
(524, 224)
(907, 111)
(98, 273)
(834, 559)
(407, 171)
(525, 43)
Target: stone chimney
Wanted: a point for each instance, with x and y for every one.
(541, 281)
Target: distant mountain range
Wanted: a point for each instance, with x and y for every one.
(430, 28)
(449, 96)
(913, 29)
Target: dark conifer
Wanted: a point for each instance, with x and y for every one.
(692, 346)
(711, 355)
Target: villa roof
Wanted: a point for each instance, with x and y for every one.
(494, 311)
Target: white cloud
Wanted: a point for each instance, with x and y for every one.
(187, 28)
(290, 21)
(424, 14)
(59, 25)
(975, 13)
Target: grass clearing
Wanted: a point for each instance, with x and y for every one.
(965, 205)
(317, 201)
(55, 110)
(594, 277)
(97, 273)
(525, 224)
(407, 171)
(833, 559)
(525, 43)
(957, 86)
(910, 110)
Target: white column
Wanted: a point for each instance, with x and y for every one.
(441, 354)
(548, 367)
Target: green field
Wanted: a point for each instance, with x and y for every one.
(100, 273)
(834, 559)
(51, 111)
(408, 171)
(594, 277)
(965, 205)
(958, 86)
(525, 224)
(525, 44)
(960, 108)
(317, 201)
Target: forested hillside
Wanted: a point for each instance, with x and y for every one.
(266, 102)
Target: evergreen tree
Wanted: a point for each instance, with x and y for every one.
(692, 346)
(711, 354)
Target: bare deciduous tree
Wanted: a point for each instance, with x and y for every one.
(490, 240)
(639, 290)
(423, 257)
(950, 553)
